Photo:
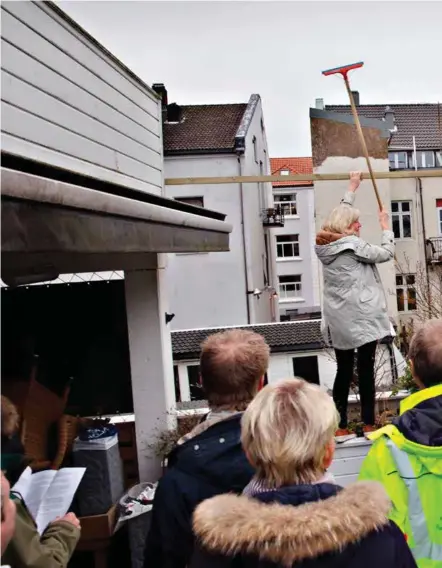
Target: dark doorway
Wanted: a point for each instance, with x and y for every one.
(306, 368)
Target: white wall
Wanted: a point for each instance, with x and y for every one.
(281, 367)
(209, 290)
(302, 224)
(68, 103)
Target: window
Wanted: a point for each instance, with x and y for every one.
(306, 368)
(424, 159)
(439, 215)
(255, 149)
(288, 202)
(439, 159)
(401, 219)
(397, 160)
(195, 201)
(287, 246)
(177, 384)
(196, 390)
(290, 286)
(284, 173)
(405, 292)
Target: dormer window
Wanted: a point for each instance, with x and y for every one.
(284, 172)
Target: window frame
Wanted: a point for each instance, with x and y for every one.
(280, 245)
(283, 290)
(396, 153)
(405, 289)
(400, 215)
(289, 205)
(439, 220)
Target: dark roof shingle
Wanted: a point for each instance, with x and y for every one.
(203, 128)
(281, 336)
(424, 121)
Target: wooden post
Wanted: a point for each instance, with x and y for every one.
(362, 140)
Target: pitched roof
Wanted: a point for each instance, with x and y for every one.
(295, 166)
(281, 337)
(424, 121)
(203, 129)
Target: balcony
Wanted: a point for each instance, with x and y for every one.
(434, 250)
(273, 217)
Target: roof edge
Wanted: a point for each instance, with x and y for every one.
(241, 133)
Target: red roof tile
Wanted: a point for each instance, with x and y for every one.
(295, 166)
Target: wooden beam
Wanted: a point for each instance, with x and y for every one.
(430, 173)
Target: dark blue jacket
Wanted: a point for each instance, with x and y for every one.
(207, 465)
(305, 526)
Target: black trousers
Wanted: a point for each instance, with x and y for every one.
(344, 376)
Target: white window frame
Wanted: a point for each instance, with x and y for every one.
(405, 287)
(283, 293)
(288, 206)
(439, 220)
(400, 214)
(284, 172)
(396, 159)
(288, 242)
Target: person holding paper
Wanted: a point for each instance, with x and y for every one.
(30, 549)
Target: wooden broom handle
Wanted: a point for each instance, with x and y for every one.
(362, 139)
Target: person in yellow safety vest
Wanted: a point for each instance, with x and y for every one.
(406, 456)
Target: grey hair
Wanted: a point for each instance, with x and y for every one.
(426, 353)
(340, 219)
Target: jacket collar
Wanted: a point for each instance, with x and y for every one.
(420, 396)
(231, 525)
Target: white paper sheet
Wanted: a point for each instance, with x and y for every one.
(49, 494)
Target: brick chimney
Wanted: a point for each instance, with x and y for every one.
(356, 97)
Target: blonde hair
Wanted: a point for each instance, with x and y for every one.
(340, 219)
(232, 364)
(286, 430)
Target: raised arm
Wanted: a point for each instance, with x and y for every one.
(350, 194)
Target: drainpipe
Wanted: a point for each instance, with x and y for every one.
(247, 274)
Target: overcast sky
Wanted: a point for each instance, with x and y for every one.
(222, 52)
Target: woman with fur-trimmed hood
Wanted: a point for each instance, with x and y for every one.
(354, 305)
(292, 513)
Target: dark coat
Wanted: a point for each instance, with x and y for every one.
(208, 464)
(306, 526)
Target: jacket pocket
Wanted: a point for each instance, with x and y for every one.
(367, 295)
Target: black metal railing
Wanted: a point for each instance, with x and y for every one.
(434, 250)
(273, 217)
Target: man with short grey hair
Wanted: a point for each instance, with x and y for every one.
(406, 456)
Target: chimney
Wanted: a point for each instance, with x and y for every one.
(319, 104)
(356, 97)
(162, 91)
(174, 113)
(389, 118)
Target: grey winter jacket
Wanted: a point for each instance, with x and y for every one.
(354, 302)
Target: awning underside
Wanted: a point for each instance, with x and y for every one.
(42, 235)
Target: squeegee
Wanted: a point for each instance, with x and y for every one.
(344, 70)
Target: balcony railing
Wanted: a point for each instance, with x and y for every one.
(434, 250)
(273, 217)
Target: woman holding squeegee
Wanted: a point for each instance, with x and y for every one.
(354, 304)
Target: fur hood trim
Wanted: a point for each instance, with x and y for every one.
(327, 237)
(284, 534)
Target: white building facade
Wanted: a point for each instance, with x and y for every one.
(298, 283)
(235, 287)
